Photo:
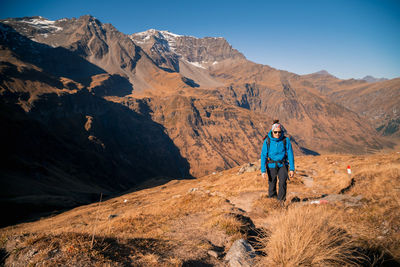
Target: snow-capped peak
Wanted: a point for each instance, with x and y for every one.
(39, 23)
(169, 37)
(155, 32)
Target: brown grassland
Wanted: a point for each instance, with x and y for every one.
(355, 222)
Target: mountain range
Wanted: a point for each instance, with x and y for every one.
(88, 109)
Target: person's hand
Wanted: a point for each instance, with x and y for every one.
(291, 174)
(263, 175)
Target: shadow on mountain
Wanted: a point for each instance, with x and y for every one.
(115, 85)
(48, 58)
(309, 151)
(68, 149)
(190, 82)
(10, 72)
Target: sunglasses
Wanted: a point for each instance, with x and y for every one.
(276, 132)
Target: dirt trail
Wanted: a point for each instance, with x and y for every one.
(244, 200)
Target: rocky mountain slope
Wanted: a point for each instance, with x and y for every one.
(376, 102)
(101, 111)
(372, 79)
(383, 105)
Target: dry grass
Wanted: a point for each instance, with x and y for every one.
(308, 236)
(268, 205)
(73, 249)
(372, 229)
(230, 225)
(177, 223)
(377, 222)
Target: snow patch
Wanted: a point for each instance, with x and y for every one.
(146, 33)
(43, 23)
(155, 32)
(197, 64)
(40, 21)
(170, 34)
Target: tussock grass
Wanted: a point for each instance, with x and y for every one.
(308, 236)
(267, 205)
(230, 225)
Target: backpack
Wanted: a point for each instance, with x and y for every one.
(268, 160)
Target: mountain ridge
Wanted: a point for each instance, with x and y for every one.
(171, 67)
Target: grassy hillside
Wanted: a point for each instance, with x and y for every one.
(329, 218)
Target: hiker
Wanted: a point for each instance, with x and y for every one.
(275, 154)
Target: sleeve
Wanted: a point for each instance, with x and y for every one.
(264, 156)
(289, 150)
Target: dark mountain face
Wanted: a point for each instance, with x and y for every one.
(90, 110)
(64, 144)
(70, 148)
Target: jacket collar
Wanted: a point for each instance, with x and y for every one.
(275, 139)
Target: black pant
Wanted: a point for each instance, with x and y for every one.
(282, 173)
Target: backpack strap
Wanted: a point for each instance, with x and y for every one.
(284, 144)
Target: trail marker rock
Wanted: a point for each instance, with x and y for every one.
(348, 170)
(321, 201)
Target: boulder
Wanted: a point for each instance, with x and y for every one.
(241, 254)
(249, 167)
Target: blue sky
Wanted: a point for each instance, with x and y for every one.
(348, 38)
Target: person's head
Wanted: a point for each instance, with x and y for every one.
(277, 129)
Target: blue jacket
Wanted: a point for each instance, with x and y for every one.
(276, 152)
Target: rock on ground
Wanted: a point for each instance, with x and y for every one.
(241, 254)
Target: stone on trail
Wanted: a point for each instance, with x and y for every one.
(241, 254)
(213, 253)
